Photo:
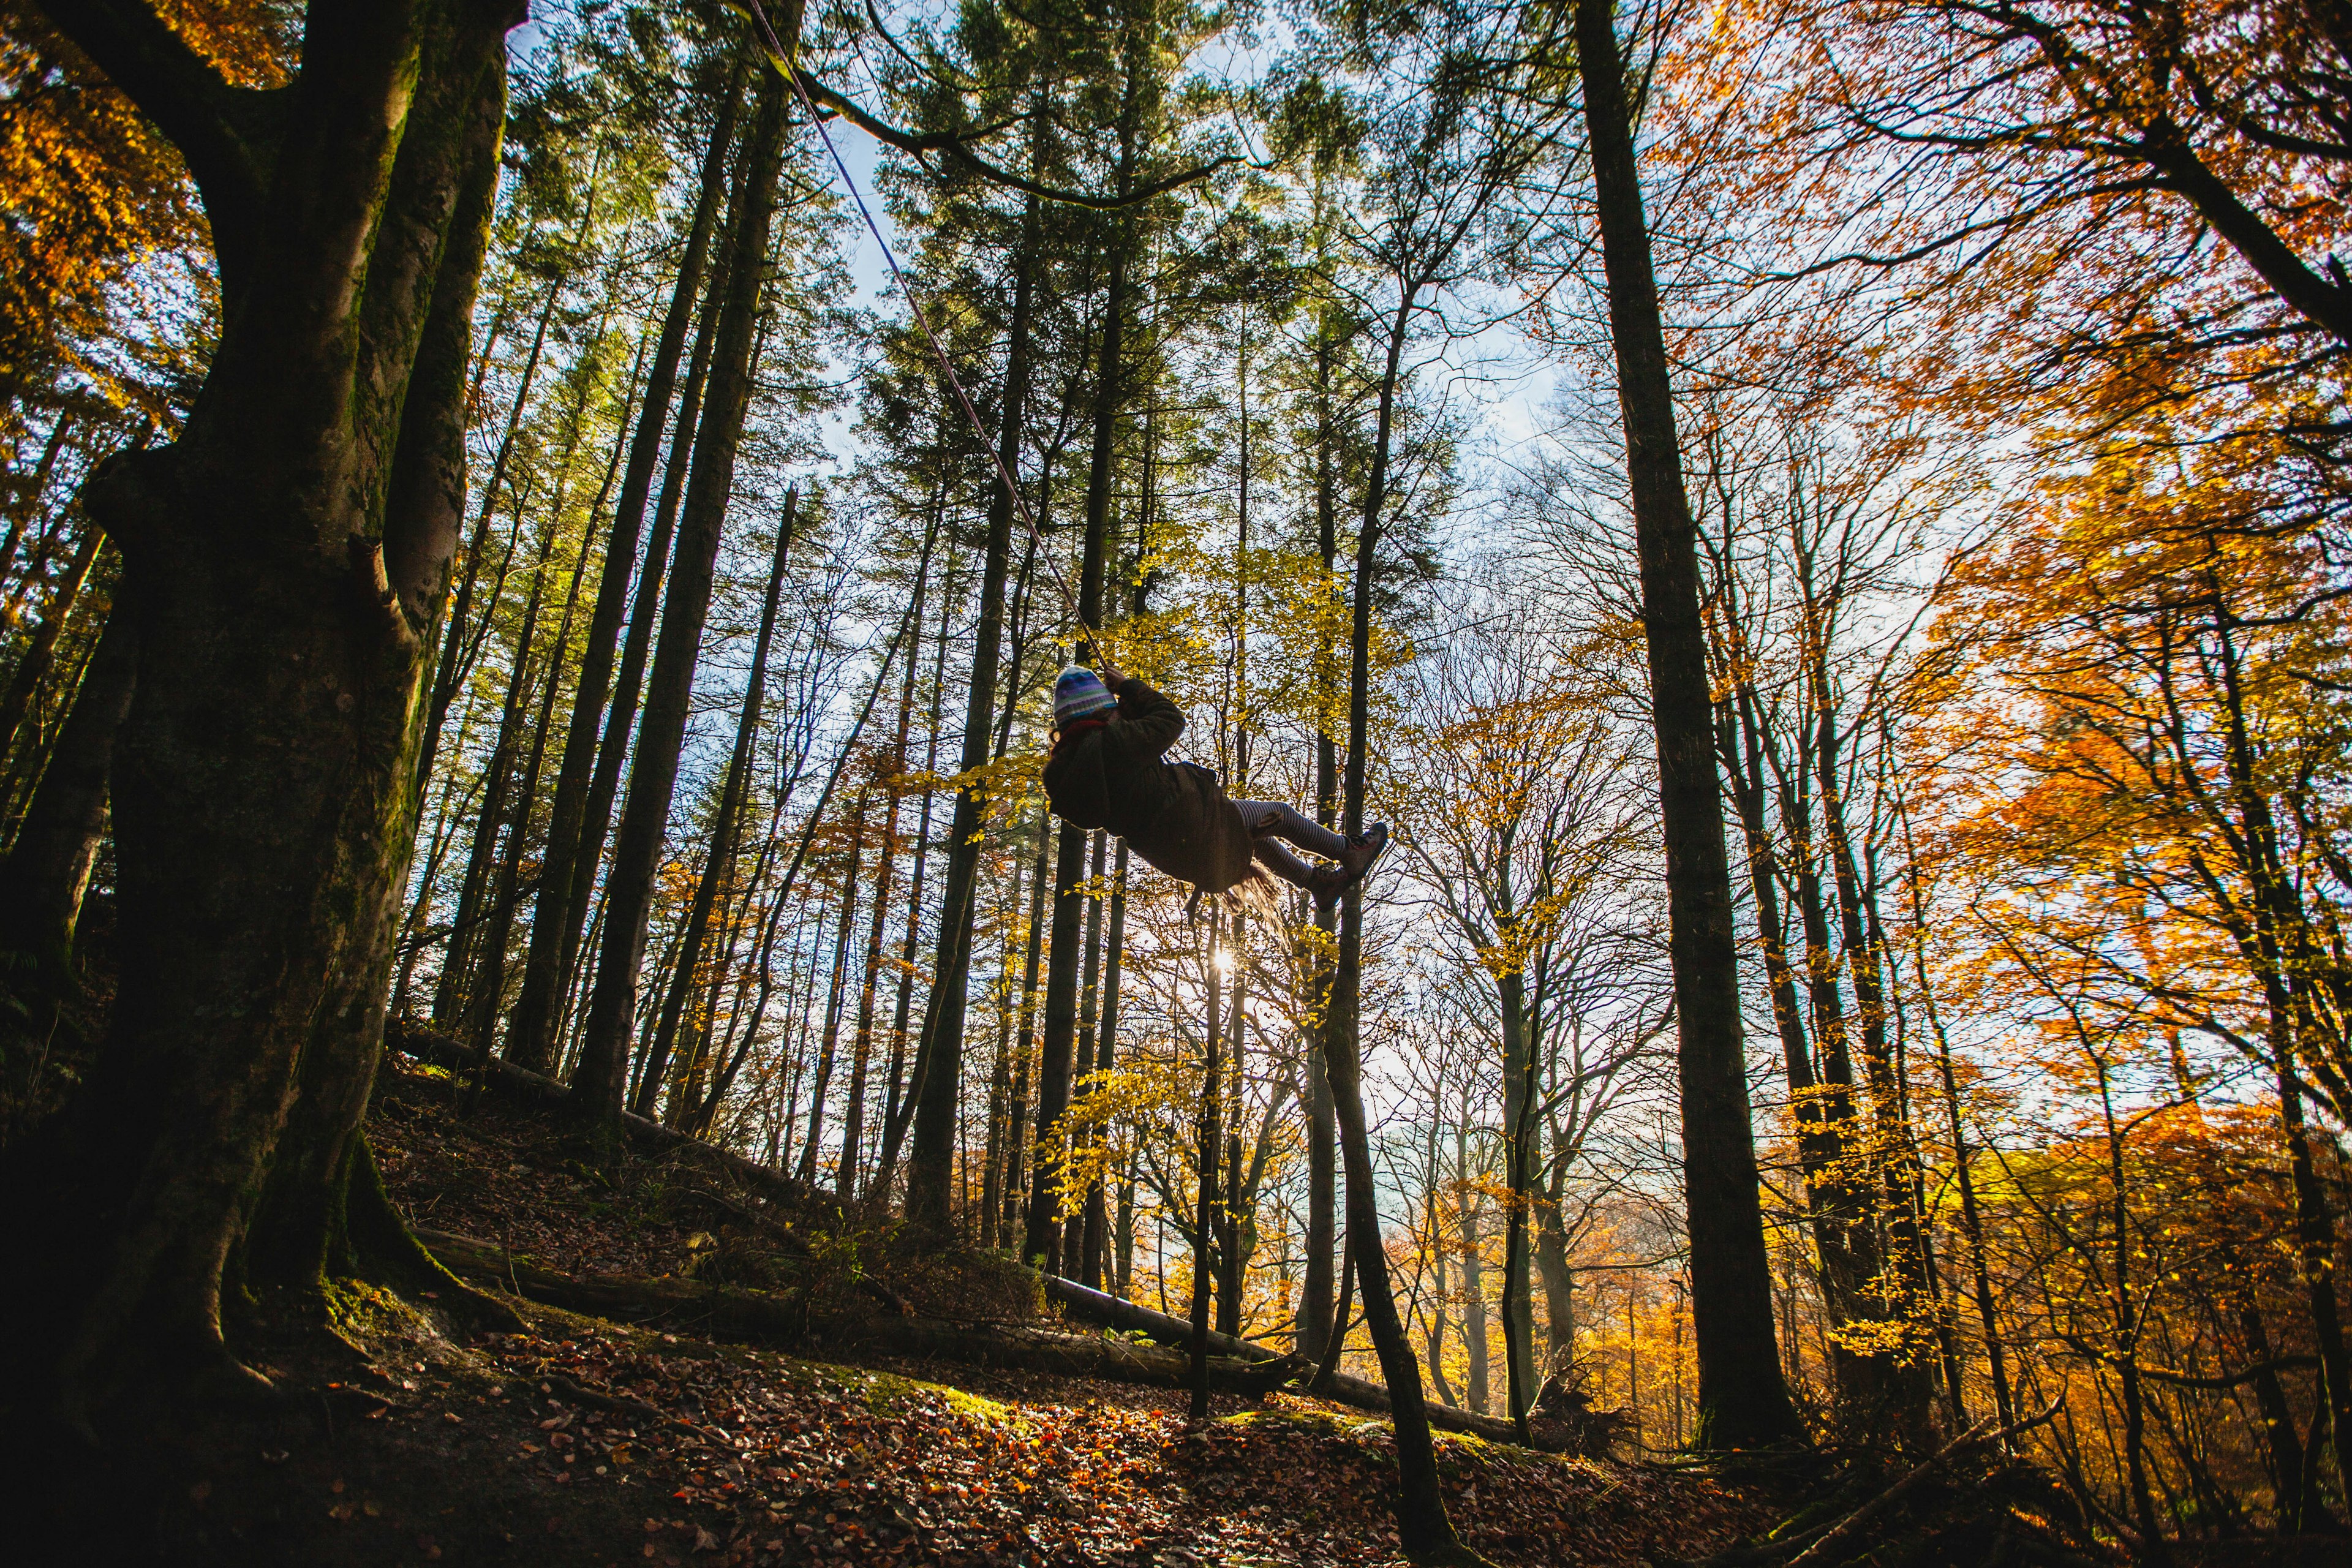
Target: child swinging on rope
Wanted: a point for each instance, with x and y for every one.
(1107, 771)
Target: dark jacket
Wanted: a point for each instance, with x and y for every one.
(1110, 774)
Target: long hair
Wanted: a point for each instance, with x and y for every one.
(1255, 894)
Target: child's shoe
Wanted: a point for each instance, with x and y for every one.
(1363, 850)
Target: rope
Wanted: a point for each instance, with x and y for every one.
(757, 14)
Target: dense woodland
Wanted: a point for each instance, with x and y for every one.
(1821, 525)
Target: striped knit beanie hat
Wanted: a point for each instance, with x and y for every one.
(1079, 693)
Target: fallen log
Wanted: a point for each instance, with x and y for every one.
(729, 1313)
(1236, 1366)
(1097, 1307)
(771, 1225)
(1036, 1350)
(1094, 1307)
(726, 1311)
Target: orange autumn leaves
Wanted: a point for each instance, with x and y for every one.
(2138, 700)
(90, 189)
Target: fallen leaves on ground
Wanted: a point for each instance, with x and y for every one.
(723, 1456)
(766, 1460)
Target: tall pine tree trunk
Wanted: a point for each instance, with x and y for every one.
(597, 1082)
(1423, 1532)
(565, 876)
(1316, 1302)
(938, 1090)
(1064, 950)
(1205, 1199)
(1094, 1244)
(1024, 1051)
(719, 864)
(1742, 1397)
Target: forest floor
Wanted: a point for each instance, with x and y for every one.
(584, 1440)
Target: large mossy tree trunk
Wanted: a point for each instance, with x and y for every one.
(1742, 1397)
(285, 565)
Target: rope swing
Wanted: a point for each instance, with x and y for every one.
(780, 59)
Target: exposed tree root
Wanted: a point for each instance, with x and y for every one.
(389, 1251)
(564, 1388)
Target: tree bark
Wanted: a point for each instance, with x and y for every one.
(1065, 949)
(1205, 1176)
(47, 868)
(1423, 1532)
(285, 565)
(938, 1065)
(1024, 1051)
(565, 880)
(1474, 1295)
(33, 665)
(1316, 1296)
(719, 863)
(1080, 1263)
(845, 924)
(653, 777)
(1094, 1239)
(1519, 1096)
(1743, 1399)
(1558, 1281)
